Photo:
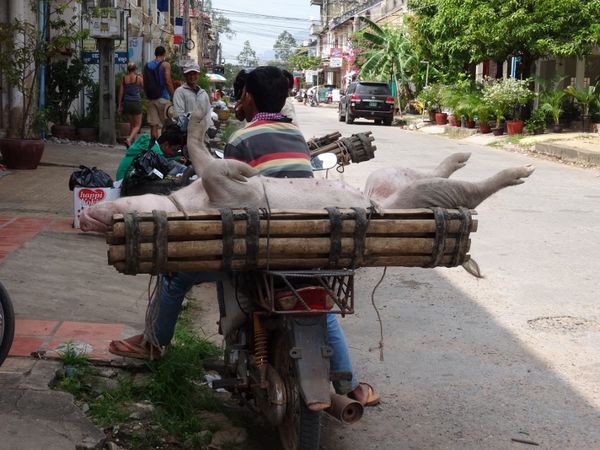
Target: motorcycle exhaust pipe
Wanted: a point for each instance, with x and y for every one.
(345, 409)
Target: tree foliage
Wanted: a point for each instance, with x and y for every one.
(458, 35)
(247, 57)
(387, 55)
(284, 47)
(300, 60)
(220, 23)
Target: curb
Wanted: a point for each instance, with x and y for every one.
(568, 153)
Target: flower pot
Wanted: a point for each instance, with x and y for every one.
(498, 131)
(21, 154)
(514, 127)
(538, 131)
(432, 116)
(64, 132)
(453, 121)
(124, 129)
(441, 118)
(586, 124)
(470, 123)
(87, 134)
(557, 128)
(484, 128)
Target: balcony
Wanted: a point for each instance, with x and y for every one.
(315, 29)
(316, 2)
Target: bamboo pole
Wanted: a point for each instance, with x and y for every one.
(278, 248)
(237, 265)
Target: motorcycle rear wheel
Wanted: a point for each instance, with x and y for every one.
(301, 427)
(7, 323)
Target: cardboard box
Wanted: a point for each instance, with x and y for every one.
(84, 197)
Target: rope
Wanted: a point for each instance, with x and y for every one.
(462, 242)
(360, 234)
(252, 237)
(439, 215)
(335, 236)
(161, 241)
(267, 214)
(178, 205)
(380, 344)
(228, 230)
(132, 244)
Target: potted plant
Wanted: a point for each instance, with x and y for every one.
(483, 113)
(537, 122)
(450, 97)
(551, 102)
(23, 51)
(66, 80)
(507, 96)
(430, 97)
(585, 99)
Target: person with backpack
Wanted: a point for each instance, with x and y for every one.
(158, 86)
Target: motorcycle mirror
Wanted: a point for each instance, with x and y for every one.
(324, 161)
(219, 153)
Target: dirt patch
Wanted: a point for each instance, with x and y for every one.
(563, 324)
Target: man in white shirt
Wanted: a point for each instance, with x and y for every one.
(189, 96)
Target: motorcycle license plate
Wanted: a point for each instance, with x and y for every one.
(373, 104)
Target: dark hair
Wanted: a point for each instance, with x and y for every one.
(269, 88)
(159, 51)
(172, 135)
(290, 78)
(239, 83)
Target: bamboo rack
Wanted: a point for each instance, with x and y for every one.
(241, 240)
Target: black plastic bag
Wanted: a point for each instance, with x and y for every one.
(86, 177)
(148, 169)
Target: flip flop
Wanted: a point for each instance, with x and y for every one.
(133, 348)
(373, 397)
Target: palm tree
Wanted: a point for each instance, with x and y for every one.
(389, 54)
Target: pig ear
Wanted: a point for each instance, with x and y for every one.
(472, 267)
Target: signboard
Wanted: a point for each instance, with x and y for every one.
(94, 57)
(335, 62)
(336, 52)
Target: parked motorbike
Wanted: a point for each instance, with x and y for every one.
(7, 323)
(276, 357)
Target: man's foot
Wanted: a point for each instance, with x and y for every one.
(365, 394)
(135, 347)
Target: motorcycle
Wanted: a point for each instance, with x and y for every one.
(276, 357)
(7, 323)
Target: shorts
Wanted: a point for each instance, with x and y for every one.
(132, 108)
(157, 111)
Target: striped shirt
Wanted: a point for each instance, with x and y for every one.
(274, 148)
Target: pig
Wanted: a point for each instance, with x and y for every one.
(234, 184)
(406, 188)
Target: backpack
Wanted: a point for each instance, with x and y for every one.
(152, 85)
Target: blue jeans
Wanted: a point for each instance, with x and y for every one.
(173, 288)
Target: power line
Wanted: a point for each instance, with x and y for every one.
(262, 16)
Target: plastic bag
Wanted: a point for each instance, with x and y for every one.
(149, 166)
(89, 177)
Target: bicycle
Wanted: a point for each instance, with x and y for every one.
(7, 323)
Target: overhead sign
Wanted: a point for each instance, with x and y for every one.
(94, 57)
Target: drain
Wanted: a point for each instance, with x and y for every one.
(565, 324)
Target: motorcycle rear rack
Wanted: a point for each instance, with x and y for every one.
(339, 284)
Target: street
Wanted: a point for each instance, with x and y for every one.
(485, 363)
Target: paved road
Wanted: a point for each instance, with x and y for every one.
(477, 363)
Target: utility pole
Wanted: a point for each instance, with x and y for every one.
(186, 30)
(107, 86)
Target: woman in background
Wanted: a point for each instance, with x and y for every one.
(130, 101)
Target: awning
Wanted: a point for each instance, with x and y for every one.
(216, 78)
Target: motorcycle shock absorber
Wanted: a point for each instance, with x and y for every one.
(261, 352)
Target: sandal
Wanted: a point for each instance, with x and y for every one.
(373, 397)
(135, 347)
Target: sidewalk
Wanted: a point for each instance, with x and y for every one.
(574, 147)
(63, 291)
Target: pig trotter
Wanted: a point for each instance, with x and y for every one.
(450, 165)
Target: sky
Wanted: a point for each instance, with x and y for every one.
(291, 15)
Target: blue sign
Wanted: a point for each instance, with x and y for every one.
(94, 57)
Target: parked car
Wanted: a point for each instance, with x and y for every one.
(367, 99)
